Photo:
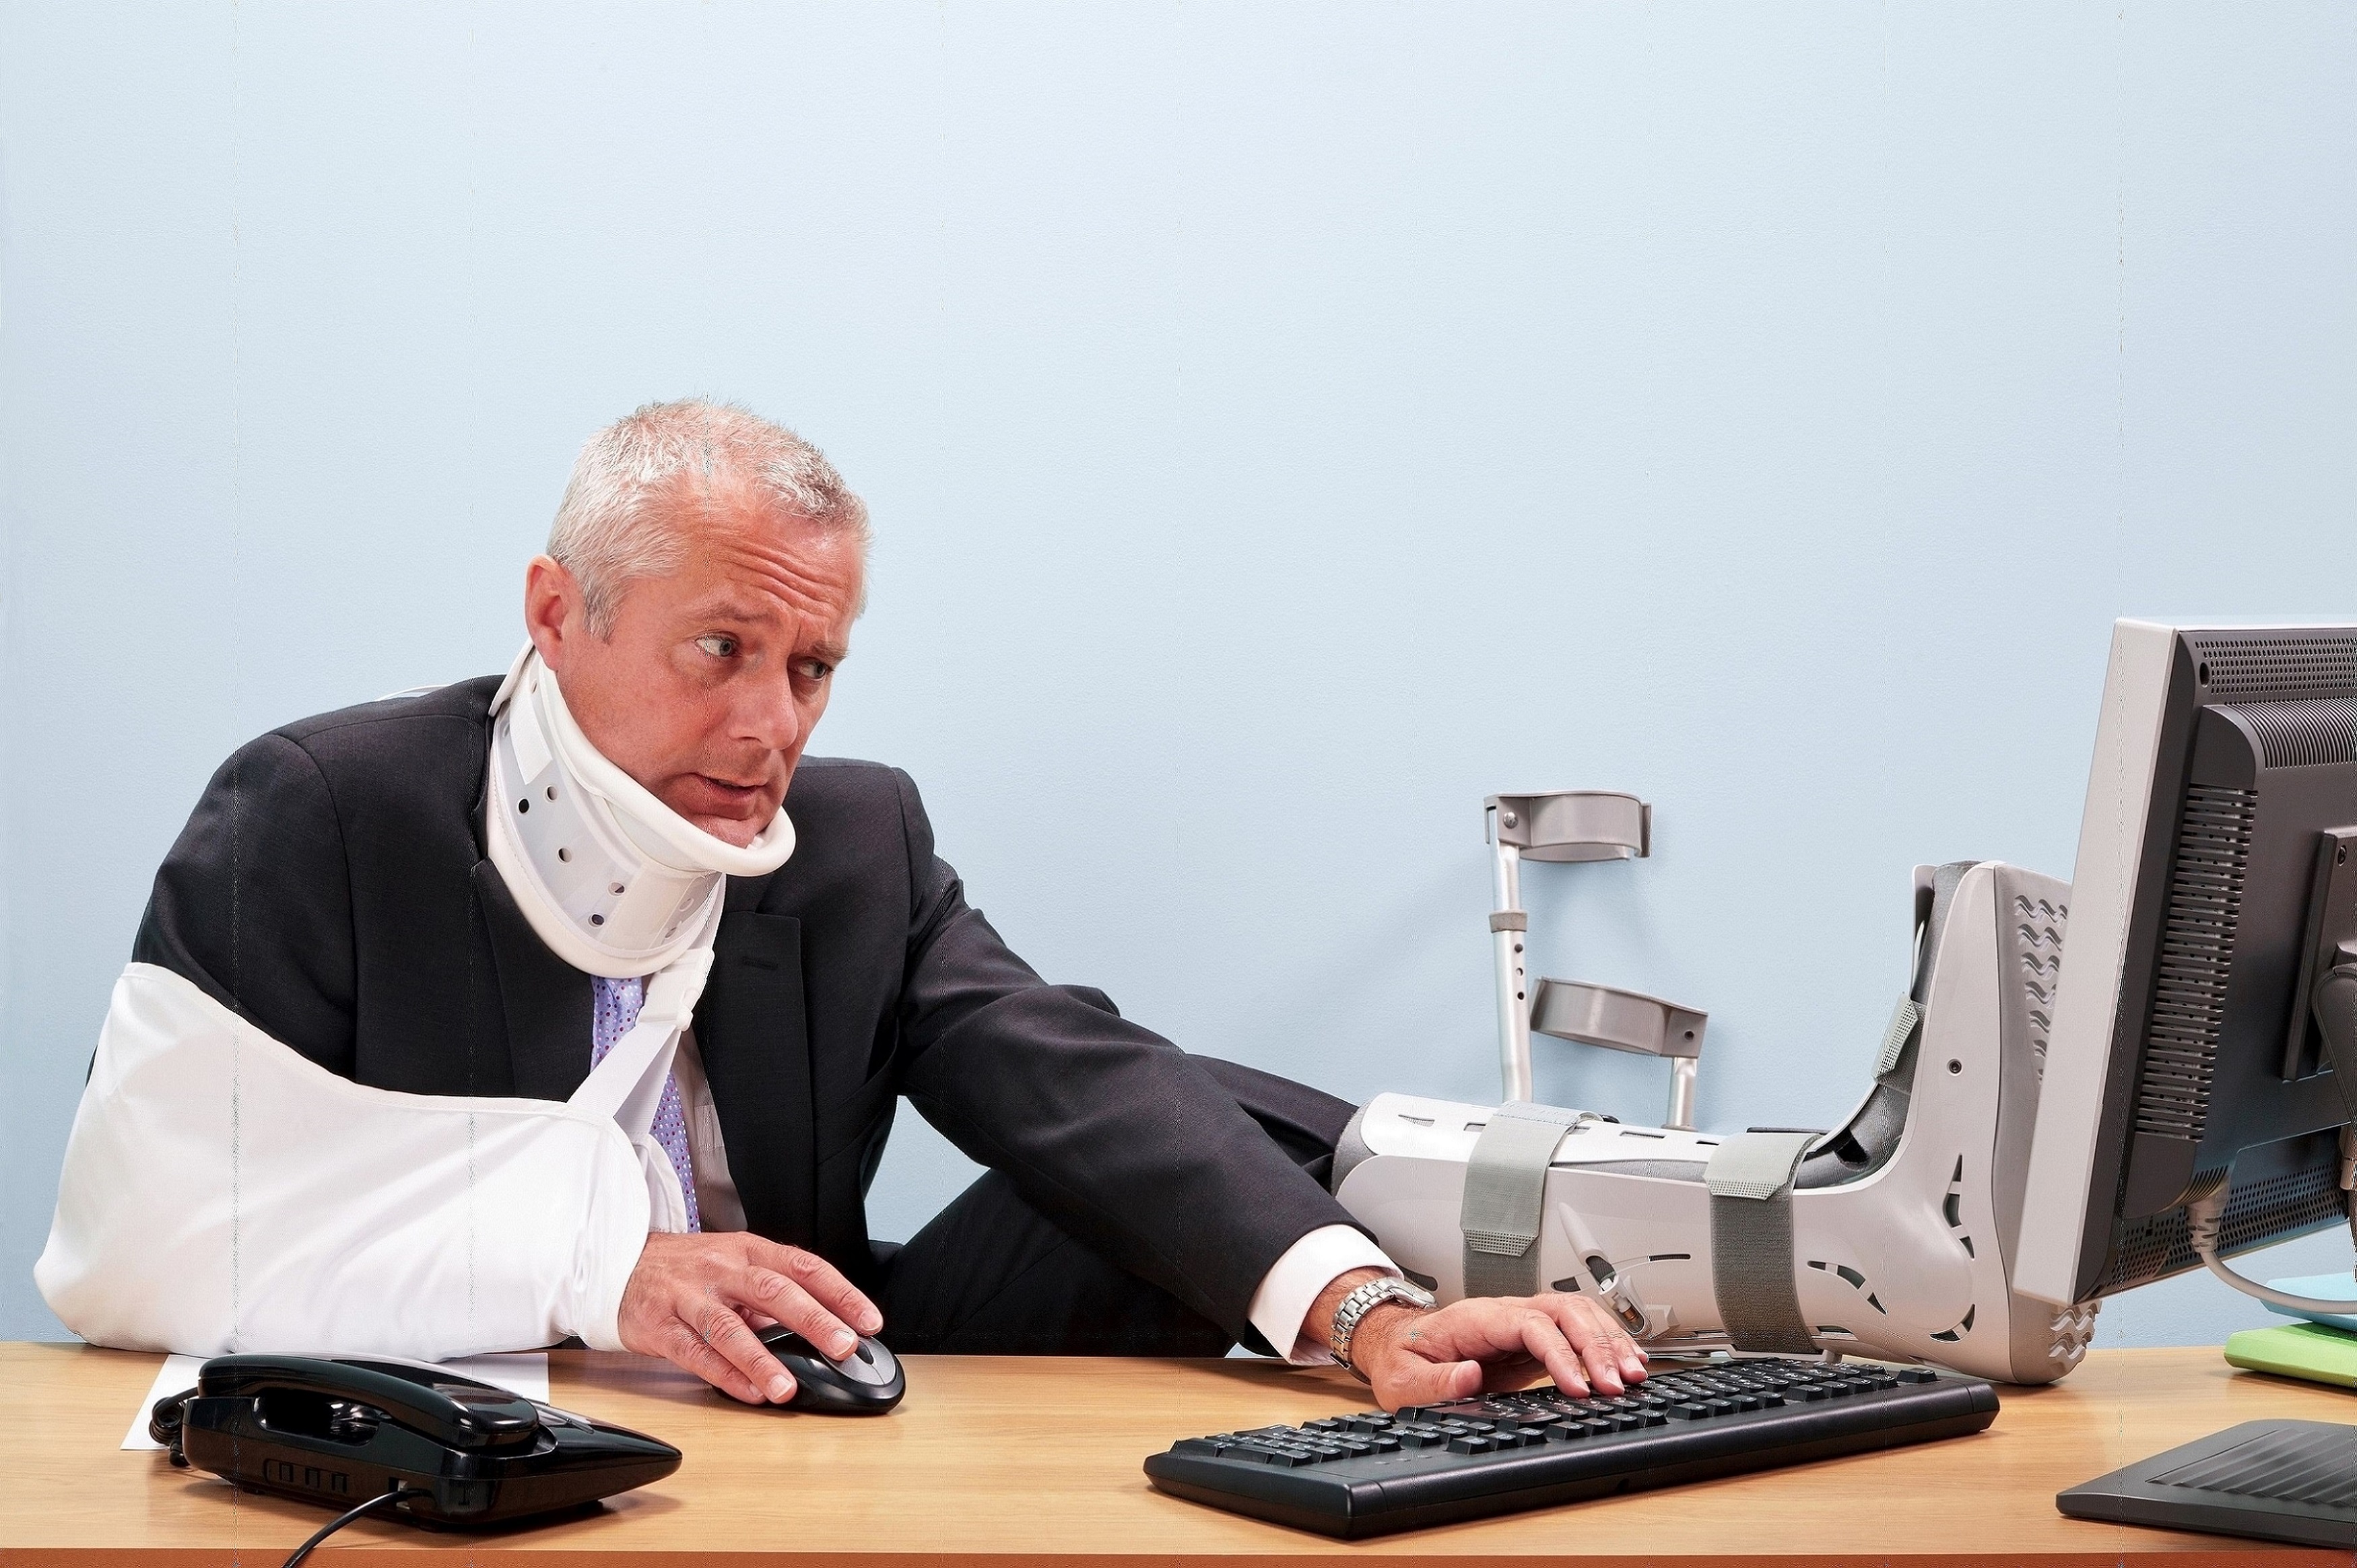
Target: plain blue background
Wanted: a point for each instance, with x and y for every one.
(1284, 426)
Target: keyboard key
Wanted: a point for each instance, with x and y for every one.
(1270, 1453)
(1566, 1431)
(1918, 1375)
(1470, 1444)
(1690, 1412)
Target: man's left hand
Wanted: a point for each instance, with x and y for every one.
(1486, 1344)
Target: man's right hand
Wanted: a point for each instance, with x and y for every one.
(696, 1299)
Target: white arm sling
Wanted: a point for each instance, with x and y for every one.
(222, 1192)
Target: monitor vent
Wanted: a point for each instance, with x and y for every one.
(2264, 668)
(2302, 735)
(2197, 950)
(2275, 1210)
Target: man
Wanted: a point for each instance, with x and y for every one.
(369, 892)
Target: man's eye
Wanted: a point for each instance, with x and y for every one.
(717, 646)
(816, 669)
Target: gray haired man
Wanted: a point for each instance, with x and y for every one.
(370, 891)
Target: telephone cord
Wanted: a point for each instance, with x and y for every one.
(333, 1525)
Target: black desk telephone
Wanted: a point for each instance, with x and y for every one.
(418, 1442)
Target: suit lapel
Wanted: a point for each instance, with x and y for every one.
(755, 1041)
(547, 1001)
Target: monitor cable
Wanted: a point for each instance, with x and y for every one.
(2205, 1215)
(398, 1494)
(2333, 1003)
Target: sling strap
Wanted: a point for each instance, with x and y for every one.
(629, 1084)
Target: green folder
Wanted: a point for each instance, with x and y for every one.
(2306, 1350)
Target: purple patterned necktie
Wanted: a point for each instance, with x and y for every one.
(618, 1005)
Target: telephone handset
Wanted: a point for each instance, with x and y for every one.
(458, 1413)
(414, 1441)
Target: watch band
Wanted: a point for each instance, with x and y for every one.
(1361, 1302)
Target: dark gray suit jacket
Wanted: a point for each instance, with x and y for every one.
(332, 887)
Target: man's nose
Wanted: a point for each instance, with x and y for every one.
(767, 714)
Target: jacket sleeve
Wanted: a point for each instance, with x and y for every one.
(252, 906)
(1122, 1139)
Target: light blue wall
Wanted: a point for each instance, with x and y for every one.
(1284, 426)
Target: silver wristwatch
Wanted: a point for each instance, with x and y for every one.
(1359, 1303)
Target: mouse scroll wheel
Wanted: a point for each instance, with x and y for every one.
(865, 1354)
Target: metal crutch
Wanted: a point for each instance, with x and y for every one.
(1570, 827)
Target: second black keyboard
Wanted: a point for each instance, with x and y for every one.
(1369, 1472)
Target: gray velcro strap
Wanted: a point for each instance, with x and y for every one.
(1751, 1182)
(1905, 1019)
(1505, 1192)
(1509, 920)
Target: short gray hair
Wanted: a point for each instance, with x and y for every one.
(609, 529)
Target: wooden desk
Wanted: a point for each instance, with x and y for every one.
(1017, 1461)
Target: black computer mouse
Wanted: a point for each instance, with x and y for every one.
(868, 1381)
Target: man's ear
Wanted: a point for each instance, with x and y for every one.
(554, 610)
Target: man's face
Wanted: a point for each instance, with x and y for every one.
(707, 686)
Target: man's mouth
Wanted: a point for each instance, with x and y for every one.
(736, 794)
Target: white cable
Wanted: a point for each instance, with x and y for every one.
(2201, 1219)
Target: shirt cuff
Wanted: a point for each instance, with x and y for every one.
(1293, 1281)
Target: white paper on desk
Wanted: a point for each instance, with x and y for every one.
(524, 1372)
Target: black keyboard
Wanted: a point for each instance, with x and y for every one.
(1368, 1473)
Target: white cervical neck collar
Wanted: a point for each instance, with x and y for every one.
(614, 881)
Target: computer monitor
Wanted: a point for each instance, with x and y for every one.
(2215, 888)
